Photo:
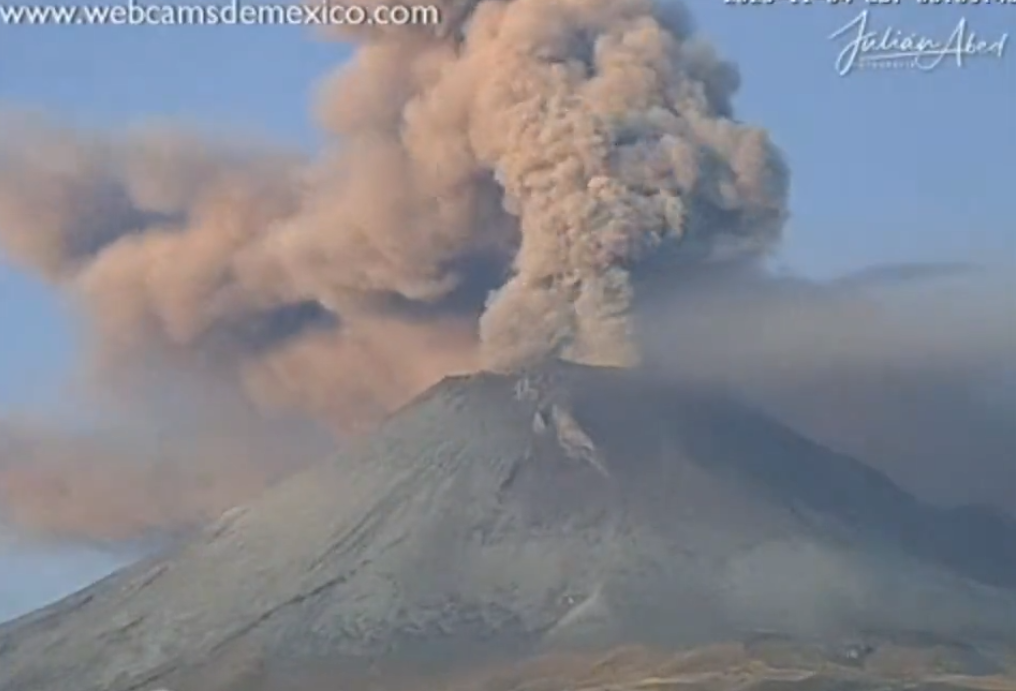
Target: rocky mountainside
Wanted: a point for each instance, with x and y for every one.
(566, 507)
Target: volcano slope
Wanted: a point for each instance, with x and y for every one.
(501, 515)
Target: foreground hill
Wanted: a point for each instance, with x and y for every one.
(568, 507)
(762, 664)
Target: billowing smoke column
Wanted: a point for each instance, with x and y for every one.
(606, 129)
(496, 189)
(504, 176)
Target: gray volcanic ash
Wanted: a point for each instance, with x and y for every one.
(491, 192)
(547, 151)
(567, 506)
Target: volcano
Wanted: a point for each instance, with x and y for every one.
(564, 507)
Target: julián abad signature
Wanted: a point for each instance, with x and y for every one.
(892, 47)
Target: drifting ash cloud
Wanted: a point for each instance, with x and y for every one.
(910, 319)
(543, 151)
(911, 369)
(119, 485)
(177, 460)
(493, 190)
(510, 185)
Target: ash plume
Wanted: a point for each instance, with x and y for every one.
(160, 458)
(493, 191)
(908, 368)
(116, 484)
(544, 151)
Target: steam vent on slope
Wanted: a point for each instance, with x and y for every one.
(509, 514)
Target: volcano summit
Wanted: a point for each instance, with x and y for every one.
(566, 506)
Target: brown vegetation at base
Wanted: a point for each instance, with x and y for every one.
(761, 666)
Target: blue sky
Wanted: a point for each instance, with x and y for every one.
(887, 165)
(31, 575)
